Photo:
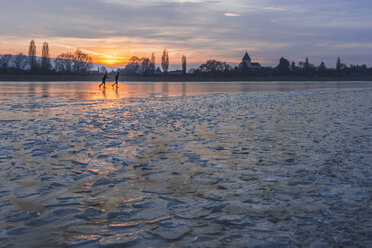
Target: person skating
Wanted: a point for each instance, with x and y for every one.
(104, 80)
(116, 79)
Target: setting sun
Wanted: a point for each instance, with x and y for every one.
(111, 62)
(108, 59)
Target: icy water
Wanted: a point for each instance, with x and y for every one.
(186, 165)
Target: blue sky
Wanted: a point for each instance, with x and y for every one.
(224, 30)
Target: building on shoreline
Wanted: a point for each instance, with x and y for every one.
(247, 63)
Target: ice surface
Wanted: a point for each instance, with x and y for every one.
(262, 168)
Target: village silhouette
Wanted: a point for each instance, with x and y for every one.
(78, 66)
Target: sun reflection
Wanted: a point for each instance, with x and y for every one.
(112, 92)
(91, 91)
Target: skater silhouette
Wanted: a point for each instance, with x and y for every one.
(104, 80)
(116, 79)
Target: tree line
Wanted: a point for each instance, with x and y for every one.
(283, 69)
(147, 66)
(79, 62)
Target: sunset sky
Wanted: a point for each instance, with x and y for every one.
(114, 30)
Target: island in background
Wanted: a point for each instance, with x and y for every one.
(78, 66)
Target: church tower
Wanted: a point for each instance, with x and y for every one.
(247, 60)
(247, 63)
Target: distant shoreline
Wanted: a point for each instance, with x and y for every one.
(170, 78)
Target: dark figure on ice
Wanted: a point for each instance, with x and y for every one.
(104, 80)
(116, 79)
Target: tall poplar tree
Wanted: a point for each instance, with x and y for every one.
(45, 57)
(152, 63)
(165, 61)
(184, 65)
(32, 56)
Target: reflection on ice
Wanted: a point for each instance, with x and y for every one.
(252, 167)
(89, 91)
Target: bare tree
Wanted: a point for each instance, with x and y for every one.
(20, 61)
(82, 62)
(214, 66)
(134, 66)
(45, 60)
(32, 56)
(145, 65)
(152, 64)
(184, 65)
(78, 62)
(64, 62)
(165, 61)
(5, 61)
(139, 66)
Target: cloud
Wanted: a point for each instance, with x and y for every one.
(231, 14)
(201, 29)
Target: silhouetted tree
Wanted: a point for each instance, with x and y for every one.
(77, 62)
(293, 66)
(322, 69)
(139, 66)
(20, 61)
(145, 66)
(307, 64)
(338, 66)
(45, 58)
(82, 62)
(134, 66)
(152, 64)
(64, 62)
(165, 61)
(236, 70)
(184, 65)
(358, 69)
(283, 67)
(5, 60)
(214, 66)
(307, 68)
(32, 56)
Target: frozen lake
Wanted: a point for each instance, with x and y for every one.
(186, 165)
(90, 91)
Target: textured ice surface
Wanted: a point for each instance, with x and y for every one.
(249, 169)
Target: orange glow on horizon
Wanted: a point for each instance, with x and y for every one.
(108, 57)
(110, 61)
(110, 51)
